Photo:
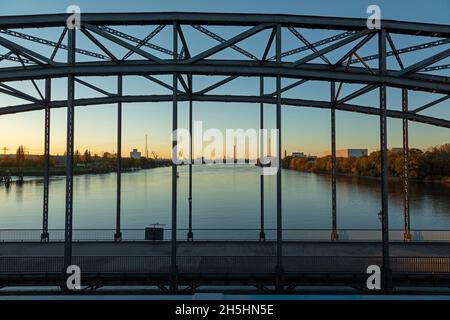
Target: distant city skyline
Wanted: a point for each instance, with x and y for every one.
(137, 153)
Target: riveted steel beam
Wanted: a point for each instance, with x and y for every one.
(45, 234)
(118, 234)
(311, 71)
(225, 19)
(386, 278)
(69, 155)
(231, 98)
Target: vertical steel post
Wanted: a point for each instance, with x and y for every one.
(334, 234)
(407, 232)
(190, 235)
(69, 153)
(384, 163)
(174, 269)
(279, 267)
(262, 234)
(45, 234)
(118, 234)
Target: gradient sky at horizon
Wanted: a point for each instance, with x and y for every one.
(304, 129)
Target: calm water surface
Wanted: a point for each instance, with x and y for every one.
(225, 196)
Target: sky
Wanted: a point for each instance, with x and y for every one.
(304, 129)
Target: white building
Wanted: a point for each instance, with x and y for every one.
(356, 153)
(135, 154)
(349, 153)
(298, 154)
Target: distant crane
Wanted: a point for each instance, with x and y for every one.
(155, 156)
(146, 148)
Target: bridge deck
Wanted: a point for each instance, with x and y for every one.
(223, 257)
(224, 263)
(225, 248)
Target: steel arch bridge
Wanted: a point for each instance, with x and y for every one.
(98, 47)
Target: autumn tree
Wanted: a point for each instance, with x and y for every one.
(20, 156)
(77, 157)
(87, 158)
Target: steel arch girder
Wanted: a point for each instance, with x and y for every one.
(411, 116)
(422, 82)
(225, 19)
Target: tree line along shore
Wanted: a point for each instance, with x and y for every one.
(86, 163)
(432, 164)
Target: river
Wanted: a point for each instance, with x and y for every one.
(224, 196)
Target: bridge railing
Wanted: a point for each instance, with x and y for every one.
(221, 264)
(57, 235)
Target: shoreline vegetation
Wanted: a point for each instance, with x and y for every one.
(432, 165)
(22, 165)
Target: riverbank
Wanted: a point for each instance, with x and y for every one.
(432, 165)
(445, 180)
(98, 168)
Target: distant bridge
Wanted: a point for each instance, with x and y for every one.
(335, 61)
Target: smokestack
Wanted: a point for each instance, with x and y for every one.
(146, 148)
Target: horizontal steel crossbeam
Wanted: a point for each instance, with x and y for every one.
(140, 42)
(230, 19)
(423, 82)
(52, 44)
(231, 98)
(406, 49)
(222, 40)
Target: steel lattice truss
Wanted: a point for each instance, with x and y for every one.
(351, 67)
(336, 60)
